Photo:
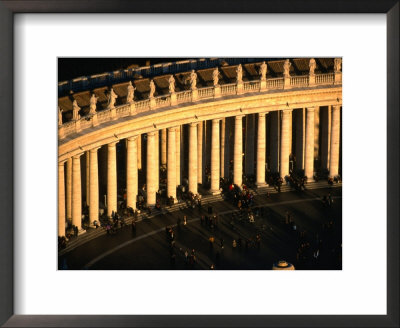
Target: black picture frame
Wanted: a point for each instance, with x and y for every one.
(7, 11)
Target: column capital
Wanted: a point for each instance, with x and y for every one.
(95, 149)
(336, 107)
(310, 109)
(132, 138)
(175, 127)
(287, 111)
(238, 117)
(193, 124)
(112, 143)
(61, 163)
(216, 120)
(152, 133)
(77, 156)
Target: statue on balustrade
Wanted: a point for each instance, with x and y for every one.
(239, 74)
(263, 71)
(338, 64)
(193, 80)
(59, 116)
(75, 111)
(112, 98)
(171, 82)
(93, 104)
(131, 93)
(286, 68)
(312, 64)
(215, 76)
(152, 89)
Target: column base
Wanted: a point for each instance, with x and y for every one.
(310, 180)
(262, 184)
(215, 192)
(81, 232)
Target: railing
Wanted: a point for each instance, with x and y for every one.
(142, 105)
(123, 110)
(206, 92)
(69, 128)
(299, 81)
(163, 101)
(328, 78)
(228, 89)
(276, 83)
(106, 115)
(252, 86)
(184, 96)
(103, 116)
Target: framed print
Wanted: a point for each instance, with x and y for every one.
(258, 113)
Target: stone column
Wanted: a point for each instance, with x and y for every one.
(76, 192)
(309, 153)
(69, 189)
(316, 133)
(249, 153)
(87, 157)
(151, 169)
(285, 140)
(300, 138)
(171, 164)
(164, 147)
(200, 153)
(157, 153)
(325, 136)
(222, 161)
(61, 200)
(131, 172)
(111, 179)
(94, 186)
(215, 158)
(178, 154)
(139, 152)
(274, 137)
(335, 142)
(238, 152)
(193, 158)
(260, 181)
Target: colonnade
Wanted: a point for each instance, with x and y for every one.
(223, 136)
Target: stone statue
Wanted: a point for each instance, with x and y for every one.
(152, 89)
(193, 80)
(112, 98)
(338, 64)
(131, 93)
(59, 116)
(93, 104)
(312, 64)
(171, 82)
(239, 74)
(215, 76)
(75, 111)
(286, 68)
(263, 71)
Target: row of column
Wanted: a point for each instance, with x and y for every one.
(171, 157)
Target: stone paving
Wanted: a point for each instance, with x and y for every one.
(148, 248)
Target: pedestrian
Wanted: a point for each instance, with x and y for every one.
(185, 220)
(234, 243)
(133, 227)
(222, 243)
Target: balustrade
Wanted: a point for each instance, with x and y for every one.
(206, 92)
(328, 78)
(299, 81)
(276, 83)
(184, 96)
(252, 86)
(228, 89)
(71, 127)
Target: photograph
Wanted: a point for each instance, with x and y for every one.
(219, 163)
